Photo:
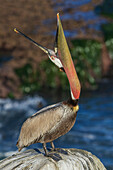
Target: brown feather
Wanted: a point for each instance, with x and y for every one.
(47, 124)
(35, 127)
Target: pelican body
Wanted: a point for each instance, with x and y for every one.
(48, 124)
(56, 120)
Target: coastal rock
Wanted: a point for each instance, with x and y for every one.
(62, 159)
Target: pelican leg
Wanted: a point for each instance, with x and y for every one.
(53, 146)
(45, 149)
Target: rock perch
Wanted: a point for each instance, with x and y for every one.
(62, 159)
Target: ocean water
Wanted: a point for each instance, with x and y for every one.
(93, 130)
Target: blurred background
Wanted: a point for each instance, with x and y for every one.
(29, 81)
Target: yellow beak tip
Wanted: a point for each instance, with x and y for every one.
(57, 16)
(15, 30)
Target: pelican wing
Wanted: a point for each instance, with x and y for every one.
(35, 127)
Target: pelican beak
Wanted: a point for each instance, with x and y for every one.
(66, 60)
(35, 43)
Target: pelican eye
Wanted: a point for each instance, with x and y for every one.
(52, 57)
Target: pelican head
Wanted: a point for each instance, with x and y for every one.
(51, 54)
(61, 57)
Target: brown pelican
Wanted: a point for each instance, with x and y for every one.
(56, 120)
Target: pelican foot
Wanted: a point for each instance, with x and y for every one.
(60, 150)
(55, 156)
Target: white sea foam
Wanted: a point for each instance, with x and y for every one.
(89, 136)
(28, 104)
